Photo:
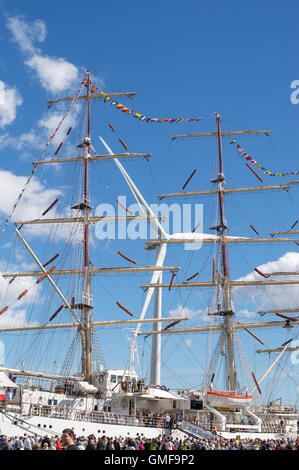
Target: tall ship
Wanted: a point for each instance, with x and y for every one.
(56, 374)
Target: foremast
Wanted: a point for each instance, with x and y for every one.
(85, 324)
(87, 304)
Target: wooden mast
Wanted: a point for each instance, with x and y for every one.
(87, 309)
(85, 324)
(222, 229)
(222, 239)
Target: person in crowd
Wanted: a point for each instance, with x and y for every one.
(160, 443)
(91, 445)
(68, 439)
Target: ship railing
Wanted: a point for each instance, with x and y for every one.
(276, 409)
(96, 416)
(242, 427)
(271, 427)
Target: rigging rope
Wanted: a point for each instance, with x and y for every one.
(39, 161)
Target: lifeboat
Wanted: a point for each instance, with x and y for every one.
(226, 399)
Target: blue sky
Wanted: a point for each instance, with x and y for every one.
(183, 61)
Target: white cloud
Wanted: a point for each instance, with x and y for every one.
(15, 316)
(54, 74)
(30, 140)
(245, 313)
(50, 122)
(37, 138)
(270, 297)
(34, 201)
(26, 34)
(10, 100)
(289, 262)
(12, 291)
(181, 311)
(15, 319)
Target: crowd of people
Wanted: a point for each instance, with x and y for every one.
(68, 441)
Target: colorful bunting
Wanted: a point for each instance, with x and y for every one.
(140, 116)
(250, 160)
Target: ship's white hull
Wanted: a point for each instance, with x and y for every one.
(16, 425)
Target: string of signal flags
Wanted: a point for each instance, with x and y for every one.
(124, 109)
(251, 161)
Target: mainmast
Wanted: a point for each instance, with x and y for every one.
(222, 230)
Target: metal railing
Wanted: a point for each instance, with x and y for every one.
(48, 411)
(276, 409)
